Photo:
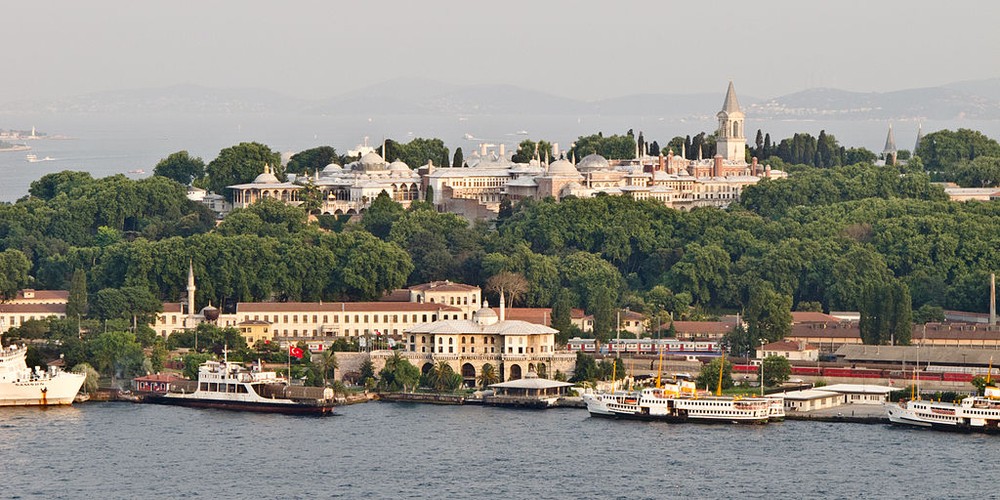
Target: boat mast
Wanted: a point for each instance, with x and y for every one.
(722, 368)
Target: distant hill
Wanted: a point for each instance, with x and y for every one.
(184, 98)
(931, 102)
(414, 96)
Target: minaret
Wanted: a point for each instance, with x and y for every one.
(503, 307)
(890, 148)
(190, 290)
(731, 143)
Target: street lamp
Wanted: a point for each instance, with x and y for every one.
(762, 367)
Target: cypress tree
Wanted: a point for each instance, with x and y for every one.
(459, 160)
(77, 302)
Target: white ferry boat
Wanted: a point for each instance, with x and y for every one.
(679, 406)
(230, 386)
(973, 413)
(23, 386)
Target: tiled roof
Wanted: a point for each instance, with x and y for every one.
(43, 309)
(812, 317)
(251, 307)
(789, 346)
(444, 286)
(61, 295)
(719, 327)
(462, 326)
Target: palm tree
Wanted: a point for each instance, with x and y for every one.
(440, 375)
(327, 365)
(488, 376)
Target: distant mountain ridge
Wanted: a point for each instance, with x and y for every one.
(413, 96)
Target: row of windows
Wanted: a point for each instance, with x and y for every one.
(227, 388)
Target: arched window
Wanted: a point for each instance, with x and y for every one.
(736, 130)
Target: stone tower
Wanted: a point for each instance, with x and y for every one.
(732, 142)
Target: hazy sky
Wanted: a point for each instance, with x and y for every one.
(583, 49)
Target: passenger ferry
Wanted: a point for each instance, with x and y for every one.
(973, 413)
(230, 386)
(23, 386)
(658, 404)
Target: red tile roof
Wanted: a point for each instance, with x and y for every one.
(700, 327)
(812, 317)
(251, 307)
(60, 295)
(159, 377)
(443, 286)
(43, 309)
(397, 295)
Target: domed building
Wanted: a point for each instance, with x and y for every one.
(349, 189)
(559, 174)
(265, 185)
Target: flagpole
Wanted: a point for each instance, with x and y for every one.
(288, 350)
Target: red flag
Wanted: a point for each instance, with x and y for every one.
(295, 352)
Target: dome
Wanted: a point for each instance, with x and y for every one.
(266, 178)
(563, 168)
(372, 158)
(332, 168)
(593, 162)
(399, 165)
(485, 316)
(210, 312)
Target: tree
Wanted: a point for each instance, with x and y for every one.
(459, 160)
(708, 377)
(942, 150)
(327, 365)
(180, 167)
(776, 370)
(442, 378)
(312, 160)
(76, 304)
(14, 267)
(512, 285)
(739, 342)
(398, 375)
(886, 314)
(527, 150)
(117, 354)
(585, 368)
(984, 171)
(611, 369)
(311, 197)
(367, 374)
(488, 376)
(241, 164)
(90, 383)
(429, 194)
(158, 355)
(928, 314)
(768, 313)
(980, 382)
(192, 362)
(381, 215)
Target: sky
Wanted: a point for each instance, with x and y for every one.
(580, 49)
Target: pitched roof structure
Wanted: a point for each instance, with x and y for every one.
(731, 104)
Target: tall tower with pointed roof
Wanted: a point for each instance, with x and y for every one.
(890, 148)
(732, 142)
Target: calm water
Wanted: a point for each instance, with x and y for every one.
(386, 450)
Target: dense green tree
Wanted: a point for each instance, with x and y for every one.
(984, 171)
(928, 314)
(326, 365)
(367, 374)
(585, 369)
(777, 369)
(381, 215)
(768, 313)
(488, 376)
(191, 363)
(942, 150)
(92, 380)
(77, 304)
(442, 378)
(886, 316)
(398, 375)
(180, 167)
(614, 147)
(459, 160)
(312, 160)
(14, 267)
(708, 377)
(416, 153)
(529, 150)
(241, 164)
(117, 354)
(49, 186)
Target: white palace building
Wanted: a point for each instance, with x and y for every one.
(476, 191)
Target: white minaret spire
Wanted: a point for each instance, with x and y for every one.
(731, 143)
(190, 290)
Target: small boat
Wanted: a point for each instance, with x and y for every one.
(23, 386)
(658, 404)
(35, 159)
(230, 386)
(137, 171)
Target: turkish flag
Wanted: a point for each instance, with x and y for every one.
(295, 352)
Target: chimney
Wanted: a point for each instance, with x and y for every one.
(993, 298)
(503, 151)
(717, 166)
(482, 150)
(754, 167)
(663, 163)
